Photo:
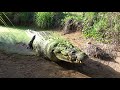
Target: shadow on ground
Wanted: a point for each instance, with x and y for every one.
(92, 69)
(17, 66)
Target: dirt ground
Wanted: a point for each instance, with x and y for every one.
(16, 66)
(94, 67)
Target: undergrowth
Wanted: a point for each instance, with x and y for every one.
(102, 26)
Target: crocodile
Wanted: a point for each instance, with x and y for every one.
(45, 43)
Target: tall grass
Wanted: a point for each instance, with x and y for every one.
(48, 20)
(44, 20)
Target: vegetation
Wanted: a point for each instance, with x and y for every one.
(48, 19)
(18, 18)
(78, 16)
(102, 26)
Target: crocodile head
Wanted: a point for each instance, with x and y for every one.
(63, 50)
(69, 54)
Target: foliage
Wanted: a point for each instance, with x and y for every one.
(48, 19)
(72, 15)
(41, 19)
(102, 26)
(18, 18)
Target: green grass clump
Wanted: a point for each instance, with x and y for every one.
(46, 20)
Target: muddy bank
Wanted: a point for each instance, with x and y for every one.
(95, 67)
(16, 66)
(20, 66)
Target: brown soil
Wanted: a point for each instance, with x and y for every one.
(94, 67)
(16, 66)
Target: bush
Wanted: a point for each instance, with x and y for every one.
(25, 18)
(58, 16)
(105, 27)
(41, 19)
(75, 15)
(47, 20)
(93, 25)
(102, 26)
